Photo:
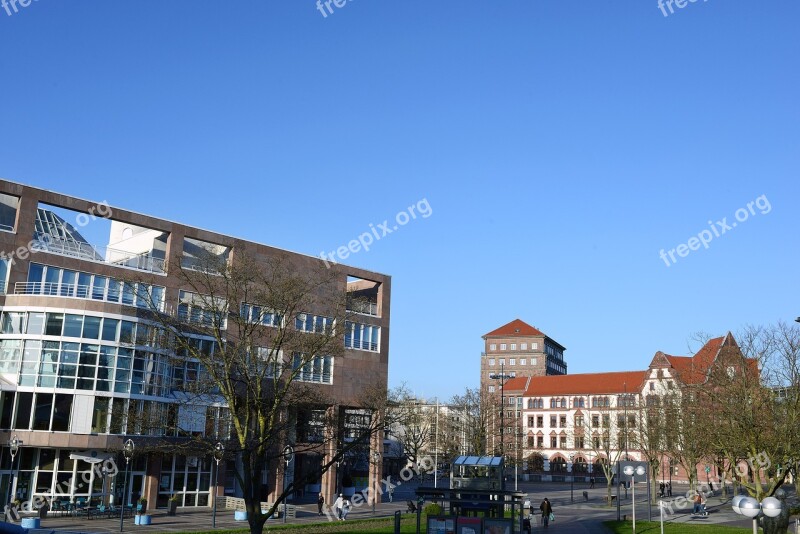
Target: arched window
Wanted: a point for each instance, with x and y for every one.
(530, 403)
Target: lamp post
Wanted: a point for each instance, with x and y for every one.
(572, 478)
(376, 458)
(288, 456)
(631, 471)
(127, 452)
(502, 377)
(750, 507)
(13, 445)
(219, 453)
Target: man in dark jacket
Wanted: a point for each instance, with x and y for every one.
(546, 511)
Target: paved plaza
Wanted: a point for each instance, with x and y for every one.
(580, 516)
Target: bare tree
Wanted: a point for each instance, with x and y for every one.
(474, 406)
(252, 341)
(600, 433)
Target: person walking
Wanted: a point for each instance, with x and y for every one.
(320, 503)
(547, 510)
(661, 488)
(391, 488)
(591, 482)
(345, 508)
(669, 489)
(338, 506)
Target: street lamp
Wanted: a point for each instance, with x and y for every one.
(13, 445)
(572, 478)
(288, 456)
(631, 471)
(502, 376)
(127, 452)
(750, 507)
(219, 453)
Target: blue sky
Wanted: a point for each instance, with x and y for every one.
(559, 144)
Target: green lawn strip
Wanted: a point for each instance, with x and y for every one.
(377, 526)
(653, 527)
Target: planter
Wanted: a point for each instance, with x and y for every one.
(143, 519)
(240, 515)
(172, 507)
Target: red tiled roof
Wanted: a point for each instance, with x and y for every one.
(694, 369)
(587, 384)
(516, 384)
(516, 327)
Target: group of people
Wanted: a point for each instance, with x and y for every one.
(341, 506)
(546, 510)
(665, 490)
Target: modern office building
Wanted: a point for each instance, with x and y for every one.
(521, 350)
(78, 364)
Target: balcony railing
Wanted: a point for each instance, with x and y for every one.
(362, 344)
(55, 289)
(363, 307)
(141, 262)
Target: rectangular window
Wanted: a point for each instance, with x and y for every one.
(539, 421)
(595, 421)
(55, 321)
(43, 411)
(533, 361)
(578, 421)
(491, 389)
(523, 346)
(13, 322)
(315, 369)
(579, 442)
(502, 346)
(305, 322)
(534, 346)
(530, 420)
(540, 441)
(522, 361)
(563, 442)
(513, 346)
(491, 361)
(606, 421)
(493, 346)
(512, 361)
(502, 361)
(110, 327)
(73, 324)
(62, 411)
(261, 315)
(362, 336)
(553, 421)
(35, 323)
(91, 327)
(553, 442)
(562, 421)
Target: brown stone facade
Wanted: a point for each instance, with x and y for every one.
(19, 297)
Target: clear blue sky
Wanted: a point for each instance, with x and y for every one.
(560, 145)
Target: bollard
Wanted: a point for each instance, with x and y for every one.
(398, 516)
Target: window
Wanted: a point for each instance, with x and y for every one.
(540, 441)
(553, 420)
(539, 421)
(563, 442)
(318, 324)
(512, 361)
(595, 421)
(199, 309)
(579, 442)
(553, 442)
(261, 315)
(315, 369)
(491, 389)
(530, 441)
(513, 346)
(362, 336)
(530, 420)
(533, 361)
(534, 346)
(522, 361)
(562, 421)
(502, 361)
(606, 421)
(578, 421)
(670, 384)
(502, 346)
(652, 386)
(523, 346)
(491, 361)
(493, 346)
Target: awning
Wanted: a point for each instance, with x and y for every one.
(92, 457)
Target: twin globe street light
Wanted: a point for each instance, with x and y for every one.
(750, 507)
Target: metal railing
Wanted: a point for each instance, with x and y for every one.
(363, 307)
(142, 262)
(81, 291)
(364, 344)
